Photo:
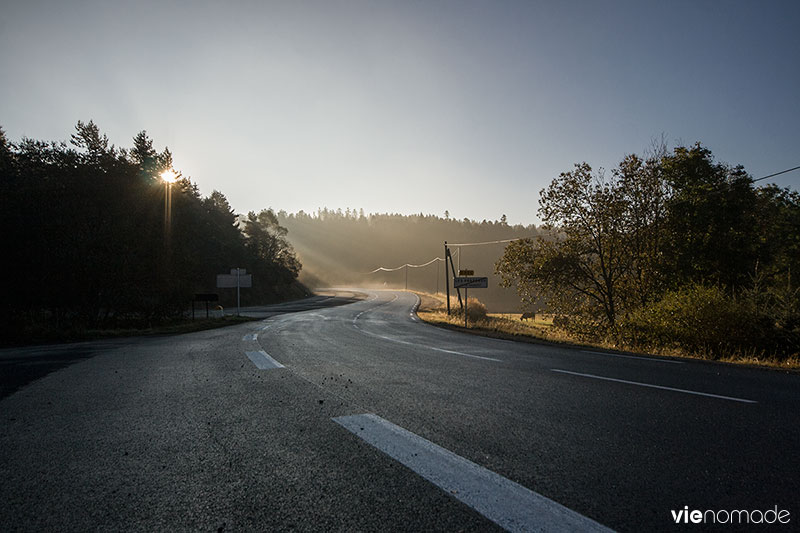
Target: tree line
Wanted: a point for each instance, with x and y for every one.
(669, 250)
(342, 248)
(94, 237)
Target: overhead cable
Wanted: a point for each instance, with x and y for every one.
(407, 265)
(777, 174)
(487, 242)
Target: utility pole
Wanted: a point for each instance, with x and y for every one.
(447, 281)
(406, 276)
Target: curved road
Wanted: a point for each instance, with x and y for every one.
(359, 417)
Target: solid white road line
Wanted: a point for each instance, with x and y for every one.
(263, 361)
(425, 346)
(459, 353)
(696, 393)
(653, 359)
(400, 341)
(504, 502)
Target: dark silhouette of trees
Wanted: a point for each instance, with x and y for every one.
(712, 233)
(674, 249)
(88, 241)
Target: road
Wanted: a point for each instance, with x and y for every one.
(360, 417)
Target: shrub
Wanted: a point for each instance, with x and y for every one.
(705, 320)
(476, 310)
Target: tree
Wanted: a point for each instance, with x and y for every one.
(711, 226)
(86, 233)
(266, 239)
(645, 217)
(578, 270)
(87, 136)
(603, 251)
(144, 155)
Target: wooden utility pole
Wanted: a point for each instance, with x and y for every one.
(448, 257)
(446, 281)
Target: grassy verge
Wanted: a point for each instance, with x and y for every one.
(509, 326)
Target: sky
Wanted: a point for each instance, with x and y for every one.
(407, 106)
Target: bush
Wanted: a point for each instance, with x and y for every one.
(583, 327)
(706, 321)
(476, 310)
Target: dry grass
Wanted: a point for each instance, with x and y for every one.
(433, 310)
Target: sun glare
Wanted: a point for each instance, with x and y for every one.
(169, 176)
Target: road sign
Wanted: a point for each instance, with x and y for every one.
(236, 279)
(470, 282)
(229, 281)
(466, 272)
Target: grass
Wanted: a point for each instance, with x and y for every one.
(433, 310)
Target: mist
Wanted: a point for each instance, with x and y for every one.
(344, 248)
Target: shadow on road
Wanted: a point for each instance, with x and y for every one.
(20, 366)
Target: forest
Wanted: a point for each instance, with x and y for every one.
(343, 248)
(94, 237)
(670, 250)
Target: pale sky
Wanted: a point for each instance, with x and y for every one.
(407, 106)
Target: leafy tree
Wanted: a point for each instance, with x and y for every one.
(579, 270)
(711, 229)
(673, 233)
(645, 217)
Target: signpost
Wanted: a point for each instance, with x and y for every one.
(467, 281)
(237, 278)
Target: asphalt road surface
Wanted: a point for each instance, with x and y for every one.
(360, 418)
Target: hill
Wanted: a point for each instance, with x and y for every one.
(344, 248)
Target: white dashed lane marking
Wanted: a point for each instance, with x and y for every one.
(263, 361)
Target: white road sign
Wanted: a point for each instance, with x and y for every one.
(470, 282)
(230, 281)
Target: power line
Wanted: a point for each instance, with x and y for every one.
(777, 174)
(488, 242)
(384, 269)
(709, 192)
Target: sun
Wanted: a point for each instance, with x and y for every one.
(169, 176)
